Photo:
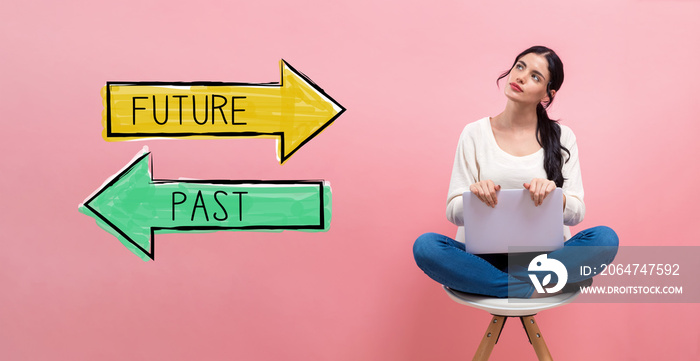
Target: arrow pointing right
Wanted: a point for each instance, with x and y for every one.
(293, 111)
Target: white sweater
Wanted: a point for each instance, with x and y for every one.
(479, 157)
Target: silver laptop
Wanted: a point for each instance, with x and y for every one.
(514, 222)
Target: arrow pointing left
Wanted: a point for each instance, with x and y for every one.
(133, 206)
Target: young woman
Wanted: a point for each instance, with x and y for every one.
(518, 148)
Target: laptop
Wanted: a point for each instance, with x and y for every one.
(514, 222)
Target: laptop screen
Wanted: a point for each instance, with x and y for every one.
(515, 221)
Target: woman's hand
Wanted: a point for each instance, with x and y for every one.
(539, 189)
(486, 192)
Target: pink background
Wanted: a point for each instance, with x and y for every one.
(411, 75)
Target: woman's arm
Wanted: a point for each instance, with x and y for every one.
(574, 207)
(464, 170)
(572, 190)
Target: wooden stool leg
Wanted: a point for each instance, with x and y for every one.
(536, 339)
(490, 338)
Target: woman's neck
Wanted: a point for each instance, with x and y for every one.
(516, 116)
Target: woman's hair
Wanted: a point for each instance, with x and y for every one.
(548, 130)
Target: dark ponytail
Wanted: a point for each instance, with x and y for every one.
(548, 135)
(548, 130)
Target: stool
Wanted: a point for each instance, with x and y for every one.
(501, 309)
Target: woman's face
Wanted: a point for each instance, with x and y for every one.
(527, 81)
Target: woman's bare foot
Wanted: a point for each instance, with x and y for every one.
(536, 294)
(569, 287)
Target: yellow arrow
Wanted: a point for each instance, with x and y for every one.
(293, 111)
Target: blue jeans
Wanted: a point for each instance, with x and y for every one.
(445, 261)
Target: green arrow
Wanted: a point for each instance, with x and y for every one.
(134, 207)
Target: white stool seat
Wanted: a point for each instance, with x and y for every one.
(511, 307)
